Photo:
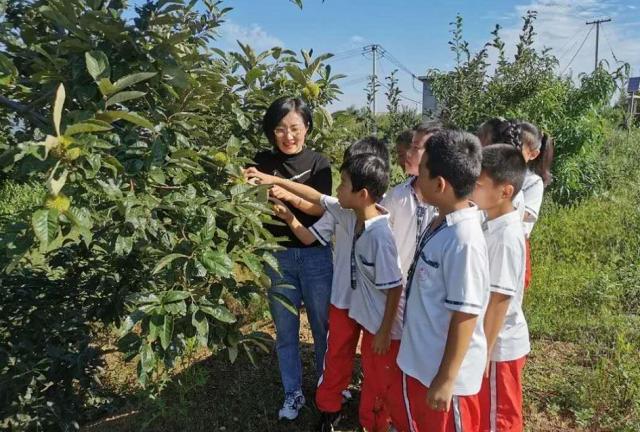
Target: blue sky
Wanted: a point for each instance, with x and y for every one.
(416, 32)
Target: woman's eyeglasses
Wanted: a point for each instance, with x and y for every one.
(295, 130)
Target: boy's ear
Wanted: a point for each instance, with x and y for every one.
(363, 194)
(442, 184)
(507, 192)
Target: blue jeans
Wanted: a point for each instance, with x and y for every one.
(310, 271)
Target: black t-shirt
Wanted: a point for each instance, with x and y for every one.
(307, 167)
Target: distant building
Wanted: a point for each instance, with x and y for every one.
(430, 109)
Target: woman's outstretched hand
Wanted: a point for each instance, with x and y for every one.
(254, 176)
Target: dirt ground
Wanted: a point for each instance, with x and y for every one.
(215, 395)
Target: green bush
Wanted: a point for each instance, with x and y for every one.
(585, 296)
(528, 87)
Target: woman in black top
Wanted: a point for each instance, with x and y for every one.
(307, 268)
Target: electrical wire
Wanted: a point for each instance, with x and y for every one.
(577, 52)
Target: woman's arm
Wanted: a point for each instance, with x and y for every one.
(300, 190)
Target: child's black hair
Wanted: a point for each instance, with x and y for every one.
(428, 127)
(368, 145)
(369, 172)
(504, 164)
(519, 134)
(457, 157)
(279, 109)
(536, 140)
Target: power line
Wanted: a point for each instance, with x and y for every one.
(577, 52)
(610, 47)
(566, 51)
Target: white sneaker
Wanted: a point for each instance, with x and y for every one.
(346, 396)
(292, 404)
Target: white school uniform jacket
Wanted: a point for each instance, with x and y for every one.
(505, 244)
(324, 229)
(373, 264)
(408, 217)
(529, 200)
(450, 273)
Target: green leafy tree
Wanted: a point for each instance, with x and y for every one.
(138, 128)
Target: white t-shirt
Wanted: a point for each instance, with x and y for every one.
(529, 200)
(505, 243)
(377, 267)
(451, 274)
(324, 229)
(409, 218)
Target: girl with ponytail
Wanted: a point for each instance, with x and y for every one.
(537, 150)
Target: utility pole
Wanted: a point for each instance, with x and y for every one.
(374, 52)
(597, 23)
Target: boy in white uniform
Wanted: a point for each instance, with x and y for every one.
(503, 173)
(443, 347)
(375, 281)
(410, 215)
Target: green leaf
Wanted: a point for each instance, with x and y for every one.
(167, 331)
(284, 301)
(296, 74)
(105, 86)
(253, 263)
(253, 75)
(209, 227)
(118, 98)
(147, 357)
(175, 296)
(233, 353)
(134, 118)
(219, 312)
(297, 3)
(45, 225)
(123, 245)
(165, 261)
(270, 260)
(97, 65)
(247, 349)
(55, 186)
(201, 324)
(132, 79)
(87, 127)
(217, 263)
(57, 108)
(155, 327)
(284, 286)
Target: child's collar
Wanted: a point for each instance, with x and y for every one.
(458, 216)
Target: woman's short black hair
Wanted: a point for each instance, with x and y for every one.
(279, 109)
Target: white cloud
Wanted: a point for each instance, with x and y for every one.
(253, 35)
(357, 40)
(561, 26)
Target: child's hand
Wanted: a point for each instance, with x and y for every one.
(283, 194)
(258, 177)
(381, 342)
(281, 210)
(440, 394)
